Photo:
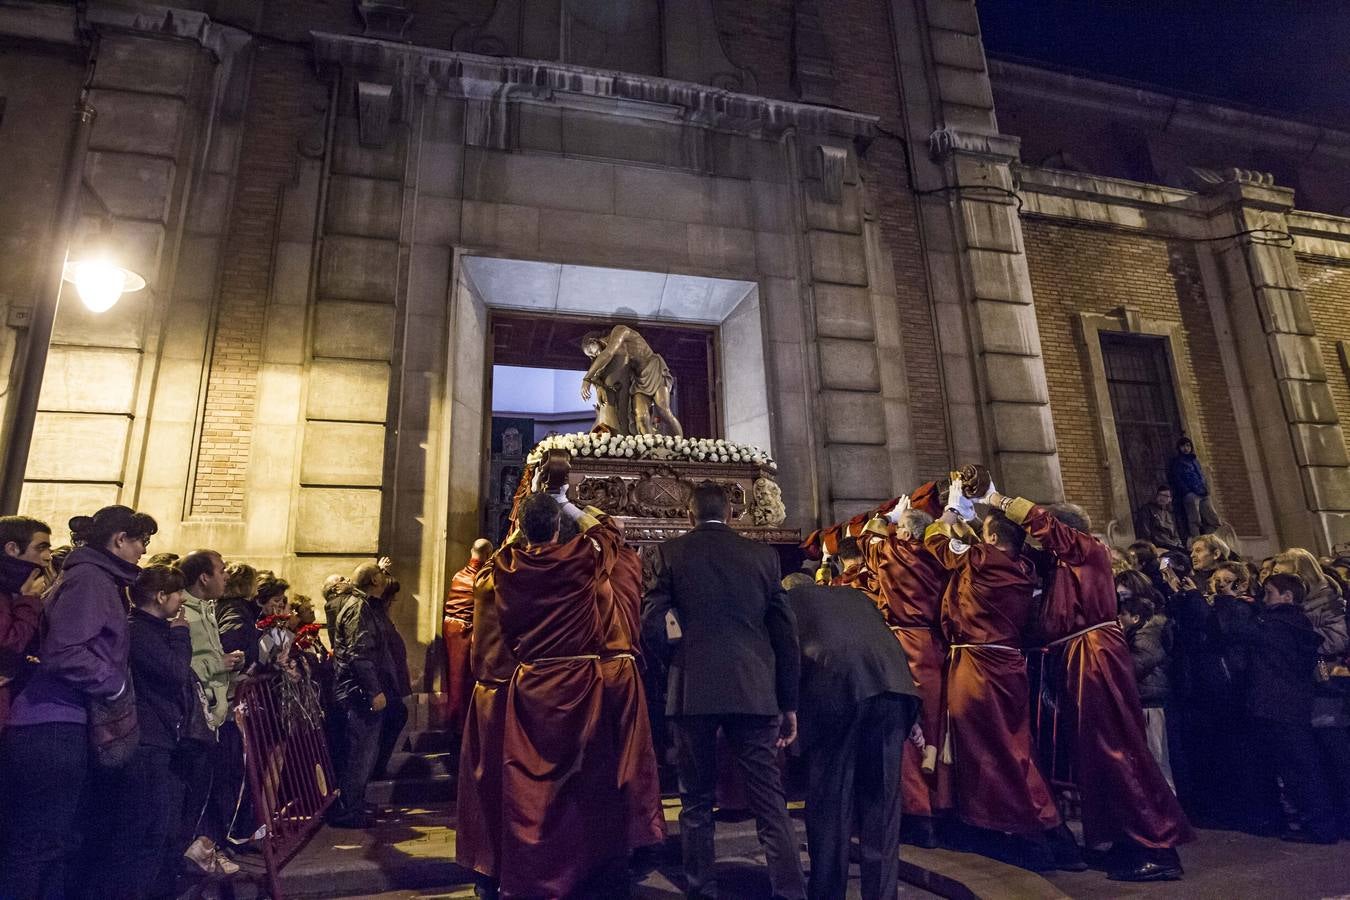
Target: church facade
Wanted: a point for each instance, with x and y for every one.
(909, 256)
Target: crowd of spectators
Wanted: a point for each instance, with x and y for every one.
(122, 768)
(1241, 667)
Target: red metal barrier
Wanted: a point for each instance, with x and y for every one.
(290, 774)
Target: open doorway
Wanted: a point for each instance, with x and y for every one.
(535, 389)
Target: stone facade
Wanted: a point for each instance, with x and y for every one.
(317, 204)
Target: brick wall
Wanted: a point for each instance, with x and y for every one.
(758, 35)
(1077, 269)
(279, 109)
(1327, 287)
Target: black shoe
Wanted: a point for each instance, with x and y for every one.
(1068, 856)
(1033, 854)
(919, 831)
(359, 820)
(1148, 871)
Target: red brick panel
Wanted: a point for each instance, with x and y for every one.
(279, 109)
(1080, 269)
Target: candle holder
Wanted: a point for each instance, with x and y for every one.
(557, 469)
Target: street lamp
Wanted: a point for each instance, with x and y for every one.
(99, 281)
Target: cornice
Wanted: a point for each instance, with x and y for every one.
(409, 68)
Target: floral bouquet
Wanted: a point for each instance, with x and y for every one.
(651, 446)
(275, 638)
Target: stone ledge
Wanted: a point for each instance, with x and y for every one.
(471, 75)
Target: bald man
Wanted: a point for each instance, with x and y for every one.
(457, 632)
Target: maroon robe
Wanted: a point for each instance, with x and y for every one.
(1123, 792)
(479, 789)
(625, 704)
(911, 583)
(985, 611)
(457, 633)
(560, 814)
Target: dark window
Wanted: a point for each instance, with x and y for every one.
(1143, 400)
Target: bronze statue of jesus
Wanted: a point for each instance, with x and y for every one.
(632, 381)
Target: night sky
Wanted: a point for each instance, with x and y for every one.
(1287, 57)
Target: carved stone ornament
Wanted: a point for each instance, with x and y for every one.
(374, 109)
(386, 19)
(946, 141)
(1204, 178)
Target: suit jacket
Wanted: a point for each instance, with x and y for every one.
(739, 653)
(848, 654)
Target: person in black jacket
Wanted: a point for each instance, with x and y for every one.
(1149, 636)
(1284, 647)
(716, 595)
(378, 585)
(362, 677)
(857, 705)
(1220, 744)
(148, 796)
(237, 618)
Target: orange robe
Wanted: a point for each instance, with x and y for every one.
(625, 703)
(457, 631)
(1123, 792)
(479, 789)
(985, 611)
(560, 808)
(911, 583)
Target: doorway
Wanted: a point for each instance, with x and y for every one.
(535, 389)
(1144, 404)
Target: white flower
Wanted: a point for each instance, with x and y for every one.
(628, 451)
(585, 451)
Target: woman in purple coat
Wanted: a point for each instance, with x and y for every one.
(44, 755)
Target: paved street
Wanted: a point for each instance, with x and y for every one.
(414, 848)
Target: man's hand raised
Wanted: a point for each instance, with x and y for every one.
(787, 730)
(34, 585)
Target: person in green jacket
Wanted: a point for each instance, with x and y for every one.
(201, 827)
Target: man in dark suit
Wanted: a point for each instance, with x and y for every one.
(858, 703)
(715, 596)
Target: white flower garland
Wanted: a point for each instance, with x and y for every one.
(652, 446)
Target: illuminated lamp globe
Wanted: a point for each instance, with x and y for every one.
(101, 282)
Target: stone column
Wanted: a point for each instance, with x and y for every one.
(1306, 461)
(998, 405)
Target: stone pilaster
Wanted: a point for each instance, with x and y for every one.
(998, 407)
(1306, 460)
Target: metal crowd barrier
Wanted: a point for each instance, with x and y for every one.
(289, 770)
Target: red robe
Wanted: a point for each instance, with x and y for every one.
(911, 583)
(985, 611)
(479, 789)
(625, 703)
(1123, 792)
(559, 800)
(457, 631)
(929, 497)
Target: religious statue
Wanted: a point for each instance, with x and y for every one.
(631, 381)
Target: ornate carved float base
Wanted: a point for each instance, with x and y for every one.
(652, 496)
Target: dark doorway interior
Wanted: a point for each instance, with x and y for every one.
(1143, 400)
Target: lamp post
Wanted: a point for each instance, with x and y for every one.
(99, 282)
